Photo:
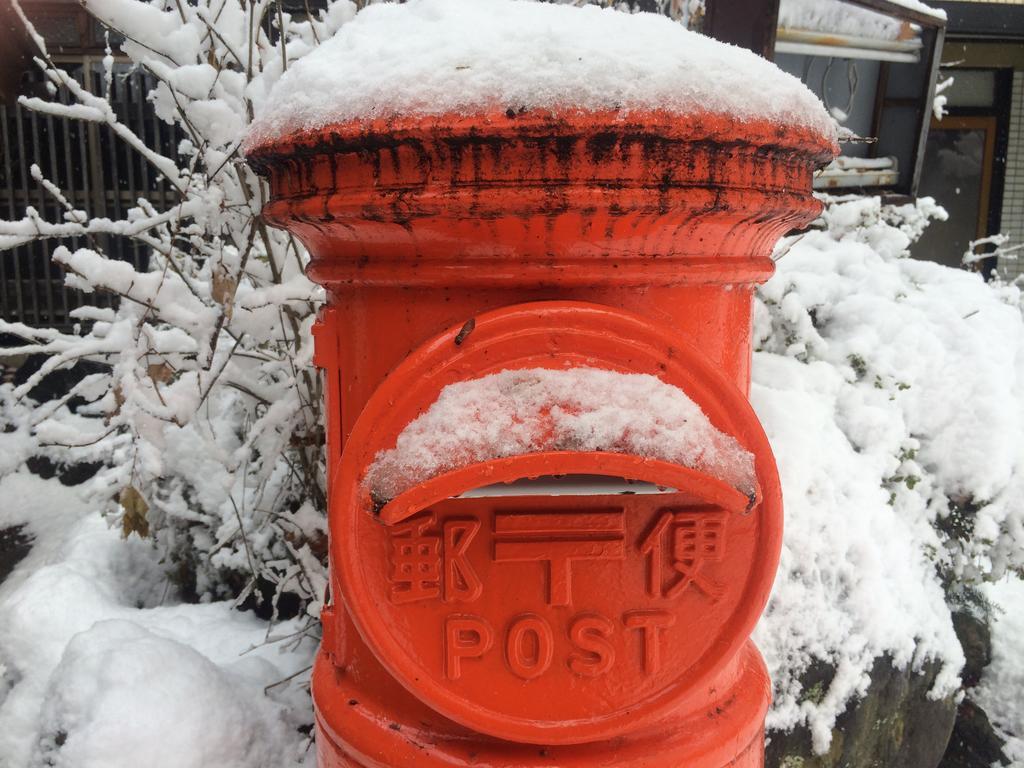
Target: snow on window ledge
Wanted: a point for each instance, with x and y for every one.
(836, 17)
(518, 412)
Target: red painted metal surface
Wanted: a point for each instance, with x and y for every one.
(524, 630)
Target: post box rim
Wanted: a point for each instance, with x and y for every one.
(711, 126)
(542, 198)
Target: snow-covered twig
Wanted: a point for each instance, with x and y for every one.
(971, 255)
(204, 392)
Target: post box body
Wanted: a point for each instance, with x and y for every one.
(473, 622)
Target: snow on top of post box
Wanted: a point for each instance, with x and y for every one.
(435, 57)
(513, 413)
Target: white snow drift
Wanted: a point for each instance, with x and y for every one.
(101, 666)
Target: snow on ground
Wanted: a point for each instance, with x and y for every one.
(1001, 691)
(431, 57)
(889, 388)
(99, 668)
(512, 413)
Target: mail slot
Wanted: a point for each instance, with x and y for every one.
(554, 517)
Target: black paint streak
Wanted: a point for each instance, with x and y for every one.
(464, 333)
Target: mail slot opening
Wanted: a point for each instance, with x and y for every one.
(587, 475)
(569, 485)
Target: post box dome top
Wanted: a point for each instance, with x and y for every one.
(465, 57)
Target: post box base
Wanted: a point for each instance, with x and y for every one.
(355, 729)
(330, 755)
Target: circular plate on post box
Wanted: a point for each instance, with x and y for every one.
(556, 618)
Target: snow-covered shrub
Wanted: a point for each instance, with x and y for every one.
(892, 390)
(206, 416)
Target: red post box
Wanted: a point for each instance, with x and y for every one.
(554, 516)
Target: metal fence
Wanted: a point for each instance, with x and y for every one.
(97, 174)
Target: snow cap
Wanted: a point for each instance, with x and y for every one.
(436, 57)
(517, 412)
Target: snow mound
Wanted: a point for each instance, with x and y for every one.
(854, 582)
(96, 653)
(512, 413)
(124, 697)
(432, 57)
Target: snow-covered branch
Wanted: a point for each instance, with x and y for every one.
(203, 408)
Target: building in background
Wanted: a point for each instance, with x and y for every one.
(976, 153)
(876, 64)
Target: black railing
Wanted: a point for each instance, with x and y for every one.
(96, 172)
